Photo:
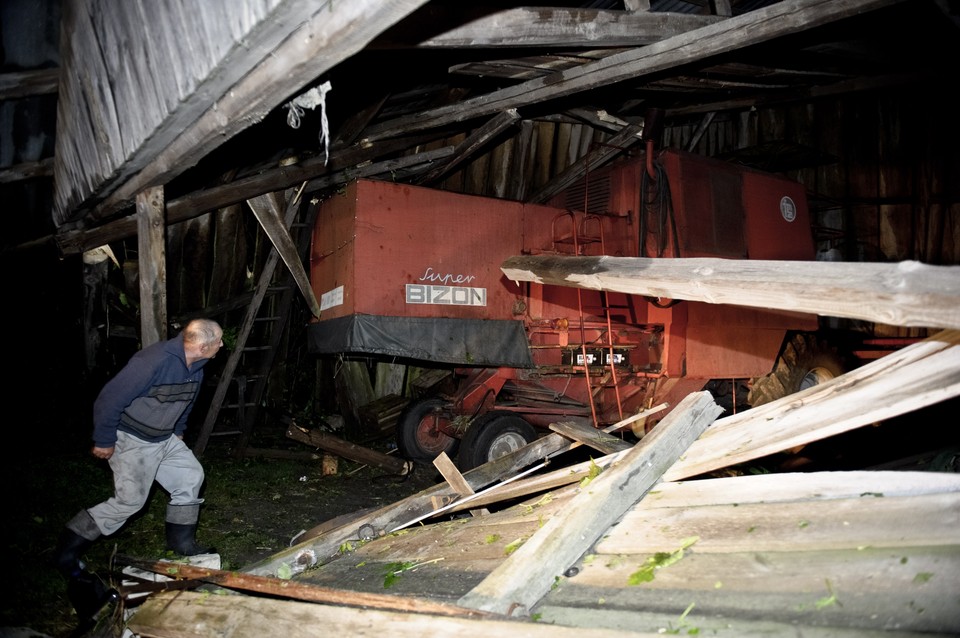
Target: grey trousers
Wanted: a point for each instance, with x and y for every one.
(136, 464)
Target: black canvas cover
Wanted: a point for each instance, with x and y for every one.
(468, 342)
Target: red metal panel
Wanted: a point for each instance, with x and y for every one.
(332, 254)
(778, 222)
(725, 341)
(417, 252)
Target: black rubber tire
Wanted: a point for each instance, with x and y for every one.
(807, 360)
(491, 435)
(417, 437)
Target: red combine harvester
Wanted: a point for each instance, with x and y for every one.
(413, 274)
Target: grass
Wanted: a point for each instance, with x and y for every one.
(253, 508)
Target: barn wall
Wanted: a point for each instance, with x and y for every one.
(881, 186)
(108, 114)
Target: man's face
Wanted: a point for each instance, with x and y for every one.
(211, 349)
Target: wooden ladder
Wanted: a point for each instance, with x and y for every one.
(248, 366)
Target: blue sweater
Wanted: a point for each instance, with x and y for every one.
(151, 397)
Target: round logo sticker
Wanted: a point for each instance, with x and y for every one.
(788, 209)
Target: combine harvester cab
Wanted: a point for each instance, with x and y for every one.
(413, 274)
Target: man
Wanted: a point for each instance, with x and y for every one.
(138, 423)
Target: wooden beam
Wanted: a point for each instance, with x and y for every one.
(185, 614)
(303, 591)
(907, 293)
(590, 436)
(761, 25)
(347, 450)
(267, 210)
(477, 140)
(569, 28)
(18, 84)
(193, 205)
(518, 583)
(152, 257)
(27, 170)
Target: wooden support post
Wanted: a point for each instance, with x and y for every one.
(527, 575)
(153, 269)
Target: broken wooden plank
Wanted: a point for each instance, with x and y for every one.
(330, 443)
(184, 614)
(870, 520)
(908, 293)
(415, 507)
(521, 580)
(913, 377)
(453, 476)
(590, 436)
(269, 209)
(794, 486)
(301, 591)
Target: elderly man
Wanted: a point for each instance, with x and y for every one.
(138, 423)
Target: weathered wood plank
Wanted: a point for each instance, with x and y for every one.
(17, 84)
(802, 486)
(411, 508)
(872, 520)
(152, 259)
(267, 209)
(907, 293)
(916, 376)
(453, 476)
(301, 591)
(190, 614)
(597, 439)
(529, 572)
(909, 588)
(713, 625)
(349, 450)
(26, 170)
(562, 27)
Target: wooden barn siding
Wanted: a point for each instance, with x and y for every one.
(107, 112)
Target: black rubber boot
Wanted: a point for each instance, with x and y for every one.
(70, 548)
(182, 540)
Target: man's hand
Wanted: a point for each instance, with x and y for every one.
(102, 452)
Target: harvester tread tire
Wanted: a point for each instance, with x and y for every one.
(414, 442)
(490, 431)
(805, 354)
